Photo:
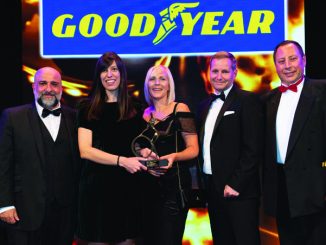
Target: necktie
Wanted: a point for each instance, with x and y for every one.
(292, 87)
(47, 112)
(220, 96)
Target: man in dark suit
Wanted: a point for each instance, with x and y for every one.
(294, 173)
(230, 132)
(39, 166)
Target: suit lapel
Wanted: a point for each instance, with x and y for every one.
(68, 124)
(228, 101)
(271, 111)
(301, 115)
(36, 131)
(204, 111)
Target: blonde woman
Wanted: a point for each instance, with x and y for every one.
(165, 212)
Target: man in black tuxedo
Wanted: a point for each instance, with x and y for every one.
(230, 132)
(39, 166)
(294, 173)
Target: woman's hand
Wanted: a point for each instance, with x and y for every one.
(148, 153)
(132, 164)
(159, 171)
(171, 159)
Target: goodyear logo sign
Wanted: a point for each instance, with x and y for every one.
(88, 28)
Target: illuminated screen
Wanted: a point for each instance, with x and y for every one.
(78, 28)
(71, 35)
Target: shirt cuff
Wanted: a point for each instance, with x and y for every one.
(6, 208)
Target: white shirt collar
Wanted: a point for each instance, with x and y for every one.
(226, 91)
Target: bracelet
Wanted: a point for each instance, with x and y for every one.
(118, 161)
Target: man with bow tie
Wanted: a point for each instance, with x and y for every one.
(294, 173)
(39, 166)
(230, 133)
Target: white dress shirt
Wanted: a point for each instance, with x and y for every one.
(284, 120)
(213, 112)
(52, 123)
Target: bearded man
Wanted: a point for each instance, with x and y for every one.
(39, 166)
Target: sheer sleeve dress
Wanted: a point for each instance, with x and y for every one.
(163, 216)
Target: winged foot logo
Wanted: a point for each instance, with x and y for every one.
(168, 16)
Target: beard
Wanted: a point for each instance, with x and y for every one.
(48, 103)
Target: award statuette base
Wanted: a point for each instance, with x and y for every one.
(153, 164)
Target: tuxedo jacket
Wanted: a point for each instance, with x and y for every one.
(236, 144)
(22, 164)
(305, 166)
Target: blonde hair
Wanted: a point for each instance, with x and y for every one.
(171, 94)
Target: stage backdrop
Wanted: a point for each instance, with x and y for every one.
(71, 35)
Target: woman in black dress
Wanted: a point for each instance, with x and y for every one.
(164, 213)
(108, 121)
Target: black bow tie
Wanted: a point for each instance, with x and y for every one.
(220, 96)
(47, 112)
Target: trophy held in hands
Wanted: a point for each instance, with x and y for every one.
(144, 146)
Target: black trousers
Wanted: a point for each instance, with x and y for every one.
(233, 221)
(304, 230)
(57, 229)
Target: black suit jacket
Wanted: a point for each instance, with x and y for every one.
(22, 163)
(305, 166)
(236, 144)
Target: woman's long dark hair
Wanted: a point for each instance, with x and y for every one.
(97, 96)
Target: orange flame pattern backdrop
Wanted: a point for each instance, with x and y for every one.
(256, 73)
